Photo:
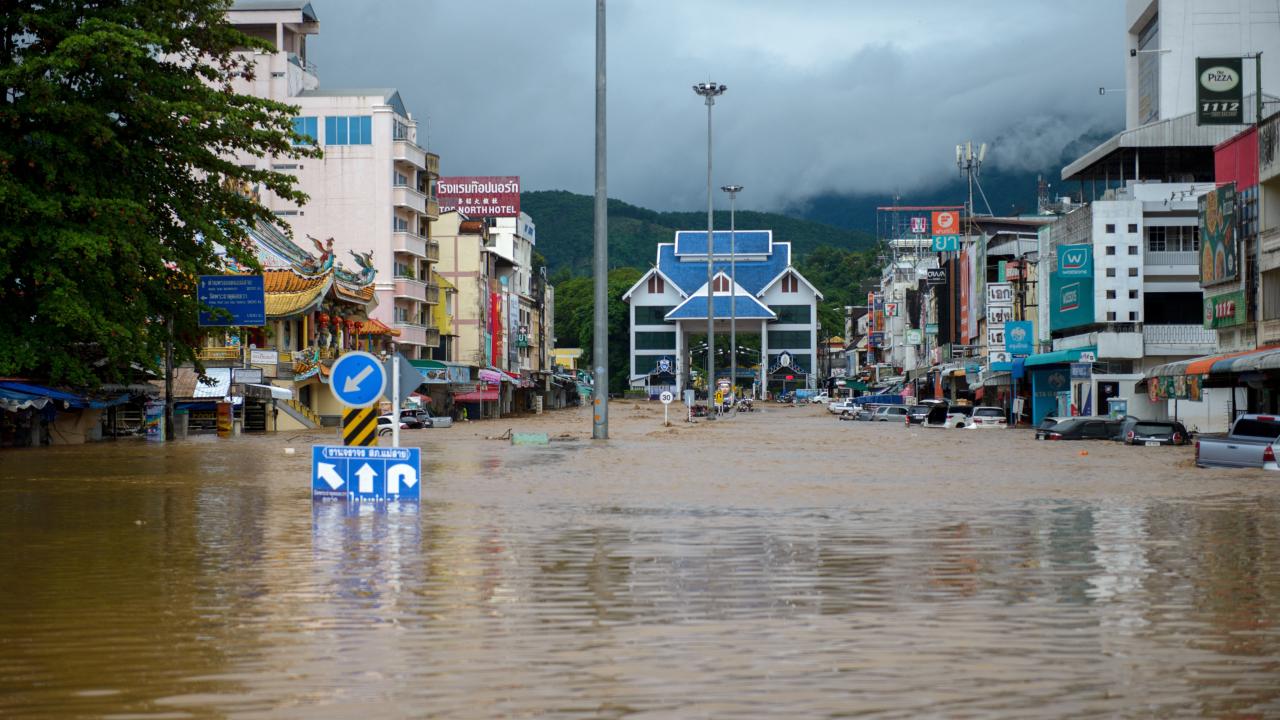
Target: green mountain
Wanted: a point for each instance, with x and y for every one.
(565, 223)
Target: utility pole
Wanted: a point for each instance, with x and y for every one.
(709, 91)
(168, 380)
(600, 344)
(733, 191)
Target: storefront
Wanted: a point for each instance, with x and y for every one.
(1054, 391)
(1251, 379)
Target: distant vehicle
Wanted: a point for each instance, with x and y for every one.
(988, 417)
(821, 397)
(840, 406)
(384, 425)
(1250, 444)
(784, 397)
(435, 421)
(948, 416)
(889, 413)
(1080, 428)
(412, 419)
(916, 414)
(1153, 433)
(1042, 430)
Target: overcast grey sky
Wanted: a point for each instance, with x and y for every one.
(824, 95)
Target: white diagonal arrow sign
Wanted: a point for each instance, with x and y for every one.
(328, 474)
(401, 472)
(352, 384)
(366, 475)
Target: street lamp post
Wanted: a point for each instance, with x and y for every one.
(733, 191)
(709, 91)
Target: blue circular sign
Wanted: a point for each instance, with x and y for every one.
(357, 379)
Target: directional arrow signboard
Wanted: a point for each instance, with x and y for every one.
(365, 473)
(357, 379)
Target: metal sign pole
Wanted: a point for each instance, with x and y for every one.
(395, 397)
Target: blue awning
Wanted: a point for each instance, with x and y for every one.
(1059, 357)
(16, 395)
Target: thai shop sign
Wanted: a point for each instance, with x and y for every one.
(1219, 91)
(1218, 257)
(1225, 310)
(1071, 288)
(1018, 337)
(1176, 387)
(478, 197)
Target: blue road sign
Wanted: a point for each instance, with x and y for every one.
(357, 379)
(365, 473)
(236, 299)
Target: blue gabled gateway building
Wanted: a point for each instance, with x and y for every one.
(668, 305)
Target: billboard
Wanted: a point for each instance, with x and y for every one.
(1018, 337)
(480, 196)
(1225, 310)
(946, 222)
(1071, 288)
(1218, 258)
(1219, 92)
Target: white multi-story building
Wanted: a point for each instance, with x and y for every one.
(373, 192)
(512, 239)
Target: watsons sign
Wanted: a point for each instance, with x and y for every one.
(1219, 92)
(1075, 261)
(478, 197)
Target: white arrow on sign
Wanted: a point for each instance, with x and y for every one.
(401, 472)
(329, 475)
(366, 475)
(353, 383)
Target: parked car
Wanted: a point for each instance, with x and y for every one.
(916, 414)
(1080, 428)
(384, 424)
(1153, 432)
(889, 413)
(840, 406)
(821, 397)
(987, 417)
(413, 419)
(436, 421)
(1251, 443)
(948, 416)
(1042, 430)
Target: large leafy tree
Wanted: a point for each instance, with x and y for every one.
(122, 164)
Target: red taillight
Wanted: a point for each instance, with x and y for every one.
(1197, 451)
(1054, 436)
(1129, 436)
(1266, 418)
(1177, 438)
(1269, 455)
(977, 421)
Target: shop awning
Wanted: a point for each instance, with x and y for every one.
(998, 378)
(488, 394)
(1059, 357)
(16, 396)
(1256, 360)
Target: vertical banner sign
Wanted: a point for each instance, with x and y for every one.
(478, 197)
(946, 231)
(1218, 258)
(1219, 92)
(919, 226)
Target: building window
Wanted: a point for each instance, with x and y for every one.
(1111, 249)
(399, 179)
(1111, 317)
(306, 126)
(785, 339)
(652, 314)
(353, 130)
(1133, 294)
(1133, 272)
(656, 285)
(1111, 228)
(1271, 295)
(1133, 316)
(720, 284)
(1111, 294)
(1133, 249)
(1111, 272)
(790, 283)
(792, 314)
(399, 131)
(399, 224)
(655, 341)
(1156, 239)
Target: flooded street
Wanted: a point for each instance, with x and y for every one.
(782, 563)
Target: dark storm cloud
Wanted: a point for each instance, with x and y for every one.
(824, 96)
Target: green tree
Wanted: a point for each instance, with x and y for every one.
(120, 176)
(575, 321)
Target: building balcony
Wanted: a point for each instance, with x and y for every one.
(406, 197)
(432, 296)
(433, 208)
(1269, 149)
(408, 152)
(433, 164)
(1269, 240)
(1178, 340)
(411, 289)
(433, 250)
(1178, 262)
(411, 333)
(407, 242)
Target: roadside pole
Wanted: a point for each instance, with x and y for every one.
(395, 396)
(168, 382)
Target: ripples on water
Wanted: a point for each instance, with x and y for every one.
(150, 592)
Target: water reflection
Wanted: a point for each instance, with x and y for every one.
(527, 584)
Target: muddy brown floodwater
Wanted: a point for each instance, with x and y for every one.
(779, 564)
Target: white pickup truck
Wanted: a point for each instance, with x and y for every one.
(1250, 444)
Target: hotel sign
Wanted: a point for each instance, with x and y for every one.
(477, 196)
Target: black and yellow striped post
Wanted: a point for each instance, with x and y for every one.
(360, 426)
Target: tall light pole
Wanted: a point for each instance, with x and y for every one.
(600, 341)
(733, 191)
(709, 91)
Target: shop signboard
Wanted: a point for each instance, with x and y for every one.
(931, 328)
(1075, 261)
(263, 357)
(154, 420)
(936, 276)
(1225, 310)
(891, 309)
(1081, 371)
(995, 337)
(1219, 91)
(946, 243)
(920, 225)
(1000, 294)
(875, 339)
(1071, 288)
(1018, 337)
(1218, 257)
(914, 337)
(250, 376)
(946, 223)
(999, 314)
(478, 197)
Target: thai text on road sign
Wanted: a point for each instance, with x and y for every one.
(365, 473)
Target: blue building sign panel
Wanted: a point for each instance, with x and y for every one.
(1071, 288)
(235, 300)
(1019, 337)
